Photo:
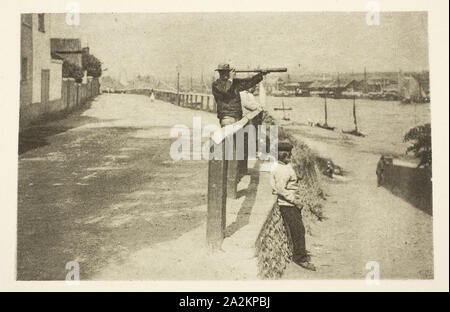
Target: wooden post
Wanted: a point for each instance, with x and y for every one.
(222, 181)
(217, 200)
(243, 164)
(68, 95)
(178, 88)
(233, 178)
(233, 170)
(77, 99)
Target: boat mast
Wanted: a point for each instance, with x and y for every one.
(354, 113)
(365, 81)
(325, 108)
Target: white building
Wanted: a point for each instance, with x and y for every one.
(41, 75)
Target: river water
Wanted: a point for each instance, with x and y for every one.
(384, 122)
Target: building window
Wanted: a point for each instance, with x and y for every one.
(24, 69)
(41, 22)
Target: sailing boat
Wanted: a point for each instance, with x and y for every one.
(284, 109)
(354, 131)
(325, 125)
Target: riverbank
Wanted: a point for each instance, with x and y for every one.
(363, 222)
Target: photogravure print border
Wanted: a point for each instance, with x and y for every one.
(438, 80)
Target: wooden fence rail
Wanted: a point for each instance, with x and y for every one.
(200, 101)
(76, 94)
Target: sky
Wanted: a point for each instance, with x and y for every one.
(155, 44)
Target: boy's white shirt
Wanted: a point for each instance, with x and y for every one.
(284, 182)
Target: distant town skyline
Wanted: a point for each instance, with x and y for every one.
(155, 44)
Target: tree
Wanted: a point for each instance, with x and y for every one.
(421, 143)
(91, 64)
(71, 70)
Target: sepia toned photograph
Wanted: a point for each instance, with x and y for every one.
(225, 146)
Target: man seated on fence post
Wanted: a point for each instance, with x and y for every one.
(226, 91)
(284, 183)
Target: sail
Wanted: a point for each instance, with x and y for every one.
(409, 87)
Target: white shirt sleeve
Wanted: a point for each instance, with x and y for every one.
(248, 101)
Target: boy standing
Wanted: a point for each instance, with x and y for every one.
(284, 183)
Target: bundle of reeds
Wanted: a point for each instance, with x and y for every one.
(274, 249)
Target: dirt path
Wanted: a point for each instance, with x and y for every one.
(365, 222)
(100, 184)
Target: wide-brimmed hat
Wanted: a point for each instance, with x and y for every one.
(224, 67)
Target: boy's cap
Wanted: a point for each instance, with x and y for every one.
(284, 146)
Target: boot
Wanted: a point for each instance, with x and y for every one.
(306, 265)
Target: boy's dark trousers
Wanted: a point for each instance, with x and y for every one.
(292, 217)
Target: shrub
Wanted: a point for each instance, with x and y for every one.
(71, 70)
(421, 143)
(92, 65)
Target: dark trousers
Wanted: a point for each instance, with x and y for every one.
(292, 217)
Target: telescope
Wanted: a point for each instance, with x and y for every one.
(267, 70)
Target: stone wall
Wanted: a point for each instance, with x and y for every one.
(412, 184)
